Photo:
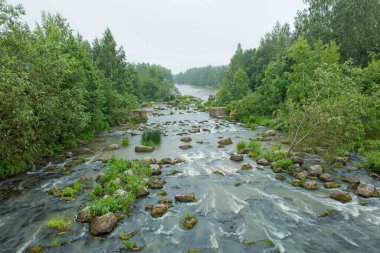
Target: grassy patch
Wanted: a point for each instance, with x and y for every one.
(241, 145)
(125, 142)
(373, 161)
(59, 223)
(151, 138)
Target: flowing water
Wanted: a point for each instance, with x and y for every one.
(228, 215)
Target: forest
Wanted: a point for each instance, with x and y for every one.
(320, 82)
(58, 89)
(204, 76)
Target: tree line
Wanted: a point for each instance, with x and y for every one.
(202, 76)
(320, 82)
(57, 89)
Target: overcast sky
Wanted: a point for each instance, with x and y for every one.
(177, 34)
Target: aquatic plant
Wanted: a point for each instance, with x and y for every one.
(59, 223)
(151, 138)
(125, 142)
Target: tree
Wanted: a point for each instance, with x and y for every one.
(237, 89)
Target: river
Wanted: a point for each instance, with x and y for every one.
(261, 208)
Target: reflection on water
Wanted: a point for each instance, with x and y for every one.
(196, 91)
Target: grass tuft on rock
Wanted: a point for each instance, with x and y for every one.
(59, 223)
(151, 138)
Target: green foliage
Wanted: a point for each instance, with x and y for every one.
(125, 142)
(241, 145)
(204, 76)
(255, 147)
(151, 138)
(78, 186)
(68, 192)
(373, 161)
(234, 90)
(283, 164)
(59, 223)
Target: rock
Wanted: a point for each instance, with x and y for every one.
(34, 249)
(157, 184)
(118, 180)
(185, 146)
(263, 162)
(237, 157)
(158, 210)
(270, 132)
(315, 171)
(149, 160)
(119, 193)
(74, 163)
(143, 149)
(246, 166)
(310, 185)
(341, 160)
(221, 146)
(167, 202)
(225, 141)
(341, 196)
(103, 224)
(162, 193)
(138, 116)
(302, 175)
(280, 177)
(188, 197)
(190, 222)
(296, 183)
(195, 130)
(325, 177)
(352, 181)
(331, 185)
(112, 147)
(367, 191)
(186, 139)
(297, 159)
(218, 112)
(295, 168)
(156, 169)
(218, 172)
(82, 217)
(166, 160)
(245, 151)
(375, 175)
(199, 142)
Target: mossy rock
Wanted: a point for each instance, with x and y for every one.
(218, 172)
(194, 251)
(162, 193)
(190, 222)
(174, 172)
(35, 249)
(237, 184)
(267, 241)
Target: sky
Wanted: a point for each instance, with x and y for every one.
(177, 34)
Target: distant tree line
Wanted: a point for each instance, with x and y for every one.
(57, 88)
(321, 82)
(203, 76)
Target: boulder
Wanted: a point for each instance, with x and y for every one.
(296, 183)
(166, 160)
(158, 210)
(184, 147)
(142, 193)
(144, 149)
(325, 177)
(310, 185)
(263, 162)
(112, 147)
(149, 160)
(246, 166)
(237, 157)
(315, 171)
(331, 185)
(157, 184)
(367, 191)
(354, 182)
(188, 197)
(138, 116)
(245, 151)
(218, 112)
(186, 139)
(225, 141)
(341, 196)
(103, 224)
(156, 169)
(302, 175)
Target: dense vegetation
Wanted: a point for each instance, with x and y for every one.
(321, 82)
(56, 88)
(203, 76)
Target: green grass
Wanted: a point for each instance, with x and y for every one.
(373, 161)
(125, 142)
(78, 186)
(151, 138)
(283, 164)
(189, 216)
(59, 223)
(68, 192)
(255, 146)
(241, 145)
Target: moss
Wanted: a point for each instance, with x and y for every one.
(218, 172)
(190, 221)
(59, 223)
(55, 242)
(237, 184)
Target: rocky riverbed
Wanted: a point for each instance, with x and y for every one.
(213, 199)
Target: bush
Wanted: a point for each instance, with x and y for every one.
(151, 138)
(241, 145)
(125, 142)
(283, 164)
(373, 161)
(59, 223)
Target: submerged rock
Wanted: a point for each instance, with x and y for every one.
(186, 139)
(158, 210)
(237, 157)
(296, 183)
(34, 249)
(246, 166)
(367, 191)
(341, 196)
(103, 224)
(188, 197)
(280, 177)
(187, 146)
(225, 141)
(144, 149)
(331, 185)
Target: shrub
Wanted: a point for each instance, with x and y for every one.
(151, 138)
(241, 145)
(373, 161)
(59, 223)
(125, 142)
